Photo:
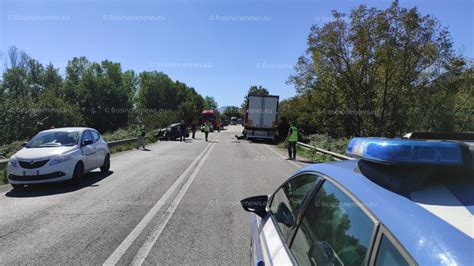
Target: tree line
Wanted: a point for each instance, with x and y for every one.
(380, 72)
(35, 97)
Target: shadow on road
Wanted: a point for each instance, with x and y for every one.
(262, 141)
(306, 161)
(90, 180)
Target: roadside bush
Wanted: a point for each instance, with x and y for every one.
(324, 142)
(10, 149)
(122, 133)
(160, 119)
(125, 147)
(150, 138)
(3, 177)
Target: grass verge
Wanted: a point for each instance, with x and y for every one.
(150, 139)
(122, 133)
(3, 177)
(308, 155)
(124, 147)
(313, 156)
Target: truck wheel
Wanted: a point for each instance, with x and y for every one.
(78, 174)
(106, 165)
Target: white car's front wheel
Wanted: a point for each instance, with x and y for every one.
(78, 174)
(106, 165)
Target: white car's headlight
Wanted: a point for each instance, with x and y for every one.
(13, 162)
(60, 159)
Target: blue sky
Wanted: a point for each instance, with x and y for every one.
(218, 47)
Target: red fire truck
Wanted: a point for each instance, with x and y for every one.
(212, 116)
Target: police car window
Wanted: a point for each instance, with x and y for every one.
(388, 254)
(288, 199)
(333, 231)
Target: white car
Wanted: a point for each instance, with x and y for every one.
(57, 155)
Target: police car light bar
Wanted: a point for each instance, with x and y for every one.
(400, 151)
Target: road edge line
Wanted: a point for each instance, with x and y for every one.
(279, 154)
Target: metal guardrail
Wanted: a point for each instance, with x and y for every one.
(3, 164)
(121, 142)
(335, 155)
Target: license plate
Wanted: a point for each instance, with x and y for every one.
(31, 172)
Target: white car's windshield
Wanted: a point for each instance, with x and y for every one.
(54, 139)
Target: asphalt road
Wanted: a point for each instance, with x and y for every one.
(177, 203)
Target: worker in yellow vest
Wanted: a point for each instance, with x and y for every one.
(292, 139)
(206, 129)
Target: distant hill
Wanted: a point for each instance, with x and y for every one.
(222, 108)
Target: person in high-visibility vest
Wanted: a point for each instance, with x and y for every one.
(292, 139)
(206, 129)
(141, 132)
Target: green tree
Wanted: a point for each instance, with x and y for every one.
(73, 88)
(54, 111)
(254, 90)
(131, 83)
(161, 101)
(52, 79)
(23, 75)
(190, 109)
(15, 82)
(99, 95)
(107, 98)
(156, 92)
(368, 72)
(30, 99)
(210, 102)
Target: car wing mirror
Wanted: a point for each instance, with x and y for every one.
(24, 144)
(257, 205)
(284, 215)
(87, 142)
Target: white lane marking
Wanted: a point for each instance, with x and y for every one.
(279, 154)
(123, 247)
(450, 209)
(155, 234)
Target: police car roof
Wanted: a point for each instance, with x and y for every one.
(435, 224)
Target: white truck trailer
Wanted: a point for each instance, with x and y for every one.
(261, 117)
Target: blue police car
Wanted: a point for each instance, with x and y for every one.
(401, 202)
